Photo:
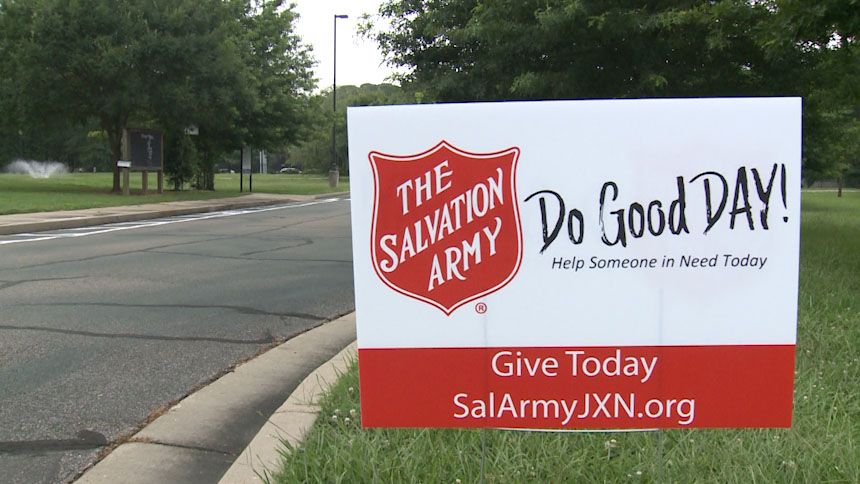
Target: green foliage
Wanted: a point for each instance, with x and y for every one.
(467, 50)
(181, 160)
(234, 68)
(834, 147)
(279, 72)
(540, 49)
(73, 145)
(314, 153)
(817, 21)
(92, 51)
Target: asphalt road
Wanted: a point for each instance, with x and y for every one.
(100, 327)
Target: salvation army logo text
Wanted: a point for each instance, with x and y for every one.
(446, 225)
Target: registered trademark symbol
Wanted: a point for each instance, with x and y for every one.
(480, 308)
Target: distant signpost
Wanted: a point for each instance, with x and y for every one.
(144, 148)
(245, 155)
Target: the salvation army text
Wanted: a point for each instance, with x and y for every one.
(471, 205)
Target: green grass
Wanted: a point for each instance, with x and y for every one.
(22, 194)
(287, 184)
(822, 446)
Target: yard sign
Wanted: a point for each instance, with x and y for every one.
(577, 264)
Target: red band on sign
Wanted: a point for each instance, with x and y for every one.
(578, 388)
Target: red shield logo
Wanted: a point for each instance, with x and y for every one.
(446, 223)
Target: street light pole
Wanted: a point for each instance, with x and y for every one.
(334, 171)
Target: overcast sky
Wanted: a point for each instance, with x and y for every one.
(358, 60)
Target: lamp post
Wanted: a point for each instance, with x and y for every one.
(334, 172)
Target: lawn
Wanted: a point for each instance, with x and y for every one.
(22, 194)
(287, 184)
(822, 446)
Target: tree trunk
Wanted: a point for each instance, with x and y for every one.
(116, 155)
(209, 174)
(207, 168)
(114, 127)
(840, 181)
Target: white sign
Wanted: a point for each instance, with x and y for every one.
(577, 264)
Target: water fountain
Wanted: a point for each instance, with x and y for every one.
(37, 169)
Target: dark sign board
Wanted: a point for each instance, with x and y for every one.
(246, 160)
(144, 148)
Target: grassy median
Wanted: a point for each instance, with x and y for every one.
(23, 194)
(822, 446)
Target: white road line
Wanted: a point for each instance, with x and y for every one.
(66, 218)
(158, 222)
(4, 242)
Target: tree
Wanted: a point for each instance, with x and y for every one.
(467, 50)
(264, 102)
(818, 21)
(547, 49)
(826, 34)
(196, 49)
(233, 67)
(314, 153)
(77, 60)
(280, 75)
(181, 159)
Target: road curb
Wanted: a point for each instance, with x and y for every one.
(202, 436)
(329, 195)
(129, 217)
(290, 423)
(88, 221)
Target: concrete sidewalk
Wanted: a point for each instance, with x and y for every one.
(290, 424)
(42, 221)
(203, 435)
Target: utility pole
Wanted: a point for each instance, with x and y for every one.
(334, 171)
